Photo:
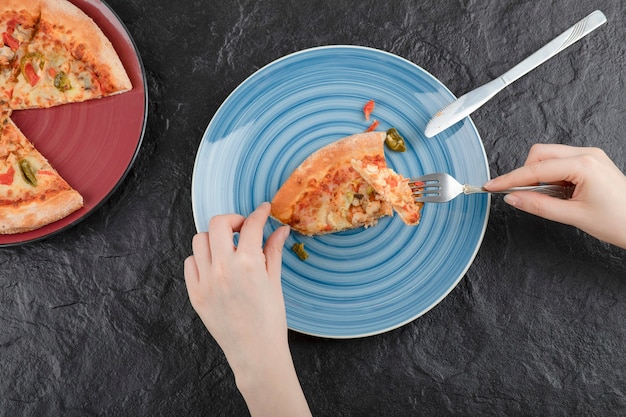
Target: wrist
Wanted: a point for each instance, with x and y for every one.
(272, 367)
(271, 388)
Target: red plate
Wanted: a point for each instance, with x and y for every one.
(92, 144)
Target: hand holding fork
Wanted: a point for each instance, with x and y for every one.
(442, 187)
(597, 204)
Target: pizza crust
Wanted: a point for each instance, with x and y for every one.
(317, 165)
(20, 218)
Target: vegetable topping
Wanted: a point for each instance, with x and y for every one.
(368, 109)
(395, 141)
(298, 248)
(28, 172)
(27, 66)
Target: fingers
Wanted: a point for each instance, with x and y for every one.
(221, 233)
(205, 246)
(191, 273)
(201, 256)
(196, 289)
(551, 163)
(550, 171)
(251, 235)
(562, 211)
(218, 243)
(274, 251)
(543, 151)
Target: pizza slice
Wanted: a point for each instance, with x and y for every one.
(18, 20)
(32, 193)
(325, 194)
(393, 187)
(68, 60)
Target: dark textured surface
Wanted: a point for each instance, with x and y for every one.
(96, 321)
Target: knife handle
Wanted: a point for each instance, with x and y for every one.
(565, 39)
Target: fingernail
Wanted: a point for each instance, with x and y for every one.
(512, 200)
(488, 183)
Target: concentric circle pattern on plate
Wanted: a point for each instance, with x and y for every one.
(364, 281)
(91, 144)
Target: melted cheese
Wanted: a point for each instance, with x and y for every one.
(393, 187)
(342, 201)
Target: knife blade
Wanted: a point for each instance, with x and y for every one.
(469, 102)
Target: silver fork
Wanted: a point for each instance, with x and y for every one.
(441, 187)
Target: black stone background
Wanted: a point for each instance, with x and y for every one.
(96, 321)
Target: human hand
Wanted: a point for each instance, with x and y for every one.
(236, 291)
(597, 205)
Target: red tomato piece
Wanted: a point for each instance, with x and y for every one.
(31, 74)
(7, 37)
(10, 41)
(368, 109)
(373, 126)
(7, 177)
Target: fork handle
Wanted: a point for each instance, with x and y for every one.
(553, 190)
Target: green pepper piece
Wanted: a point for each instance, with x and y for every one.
(32, 56)
(395, 141)
(298, 248)
(62, 82)
(28, 172)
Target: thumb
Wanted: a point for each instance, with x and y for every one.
(274, 250)
(551, 208)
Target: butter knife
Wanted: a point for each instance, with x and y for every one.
(469, 102)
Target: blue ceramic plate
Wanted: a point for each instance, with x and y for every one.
(366, 281)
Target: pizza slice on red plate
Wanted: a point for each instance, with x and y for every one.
(32, 193)
(67, 60)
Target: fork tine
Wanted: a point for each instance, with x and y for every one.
(435, 188)
(426, 189)
(428, 196)
(420, 184)
(427, 178)
(428, 199)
